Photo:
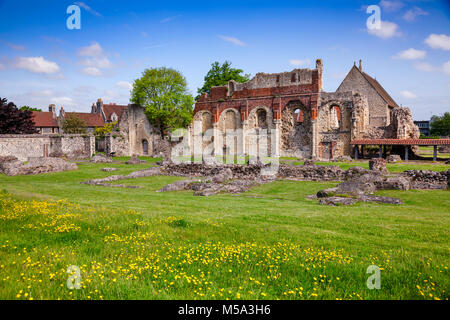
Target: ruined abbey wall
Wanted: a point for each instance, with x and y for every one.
(25, 146)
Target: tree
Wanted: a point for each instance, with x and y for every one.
(440, 125)
(106, 129)
(219, 75)
(24, 108)
(164, 95)
(73, 124)
(15, 121)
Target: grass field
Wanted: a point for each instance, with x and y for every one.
(427, 151)
(268, 243)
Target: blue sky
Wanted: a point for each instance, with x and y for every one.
(43, 62)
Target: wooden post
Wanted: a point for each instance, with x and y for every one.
(356, 152)
(434, 153)
(381, 151)
(406, 153)
(362, 151)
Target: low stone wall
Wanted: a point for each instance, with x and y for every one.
(427, 179)
(305, 172)
(419, 179)
(28, 146)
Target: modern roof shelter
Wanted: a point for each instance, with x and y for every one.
(400, 142)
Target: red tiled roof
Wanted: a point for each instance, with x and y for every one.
(109, 109)
(410, 142)
(91, 119)
(44, 119)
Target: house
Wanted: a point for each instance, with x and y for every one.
(91, 120)
(424, 127)
(46, 122)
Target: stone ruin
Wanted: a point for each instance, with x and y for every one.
(11, 166)
(289, 114)
(357, 184)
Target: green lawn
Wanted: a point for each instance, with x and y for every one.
(268, 243)
(427, 151)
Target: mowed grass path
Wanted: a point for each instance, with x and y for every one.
(268, 243)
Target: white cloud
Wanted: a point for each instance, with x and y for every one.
(125, 85)
(95, 60)
(446, 67)
(391, 6)
(438, 41)
(296, 62)
(232, 40)
(411, 54)
(386, 30)
(408, 94)
(2, 67)
(425, 66)
(102, 62)
(63, 101)
(411, 14)
(94, 50)
(92, 71)
(37, 65)
(88, 8)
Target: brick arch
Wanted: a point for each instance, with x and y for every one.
(253, 120)
(296, 135)
(224, 122)
(333, 113)
(206, 118)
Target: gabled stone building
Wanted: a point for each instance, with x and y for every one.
(380, 102)
(134, 134)
(302, 120)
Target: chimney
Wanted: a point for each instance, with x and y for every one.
(52, 109)
(62, 113)
(360, 65)
(99, 105)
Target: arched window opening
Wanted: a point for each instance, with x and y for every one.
(335, 117)
(145, 146)
(298, 115)
(261, 118)
(230, 120)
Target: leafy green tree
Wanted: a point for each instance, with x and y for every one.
(164, 95)
(219, 75)
(440, 125)
(73, 124)
(25, 108)
(13, 120)
(106, 129)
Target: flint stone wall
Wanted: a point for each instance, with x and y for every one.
(427, 179)
(26, 146)
(411, 179)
